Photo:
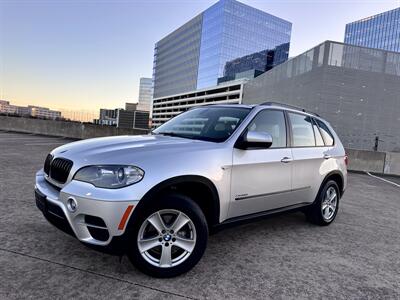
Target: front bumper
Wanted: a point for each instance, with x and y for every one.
(96, 222)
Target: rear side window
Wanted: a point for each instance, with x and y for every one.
(326, 134)
(302, 130)
(272, 122)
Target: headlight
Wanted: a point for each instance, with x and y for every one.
(111, 176)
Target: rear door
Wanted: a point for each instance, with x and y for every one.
(261, 178)
(308, 151)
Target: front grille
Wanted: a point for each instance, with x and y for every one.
(47, 163)
(59, 169)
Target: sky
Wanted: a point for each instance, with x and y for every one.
(86, 55)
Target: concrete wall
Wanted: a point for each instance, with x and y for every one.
(61, 128)
(392, 163)
(361, 160)
(376, 162)
(357, 90)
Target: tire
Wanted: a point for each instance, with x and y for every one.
(184, 247)
(323, 211)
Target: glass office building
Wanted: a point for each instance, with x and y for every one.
(380, 31)
(195, 55)
(253, 65)
(145, 94)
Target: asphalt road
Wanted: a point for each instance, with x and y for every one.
(283, 257)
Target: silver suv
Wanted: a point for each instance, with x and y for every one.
(156, 197)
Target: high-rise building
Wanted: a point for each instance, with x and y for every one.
(381, 31)
(133, 119)
(107, 117)
(145, 94)
(194, 55)
(130, 117)
(131, 106)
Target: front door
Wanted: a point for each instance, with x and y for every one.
(261, 178)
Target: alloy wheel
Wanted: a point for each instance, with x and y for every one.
(166, 238)
(329, 204)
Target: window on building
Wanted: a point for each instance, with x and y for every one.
(302, 131)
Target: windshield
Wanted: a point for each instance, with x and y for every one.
(213, 124)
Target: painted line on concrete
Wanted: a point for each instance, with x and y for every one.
(96, 273)
(383, 179)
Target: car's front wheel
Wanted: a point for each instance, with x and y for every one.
(169, 237)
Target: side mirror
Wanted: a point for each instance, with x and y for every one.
(254, 140)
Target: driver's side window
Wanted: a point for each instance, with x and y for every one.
(272, 122)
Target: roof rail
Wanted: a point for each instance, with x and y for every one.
(290, 106)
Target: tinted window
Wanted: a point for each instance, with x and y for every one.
(272, 122)
(318, 136)
(302, 131)
(214, 124)
(326, 134)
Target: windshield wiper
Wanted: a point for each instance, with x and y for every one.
(191, 137)
(170, 133)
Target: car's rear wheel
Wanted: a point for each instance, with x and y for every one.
(169, 237)
(324, 209)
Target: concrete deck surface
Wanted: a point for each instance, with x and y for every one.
(283, 257)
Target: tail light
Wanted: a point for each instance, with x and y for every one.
(346, 159)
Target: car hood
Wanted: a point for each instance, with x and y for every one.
(126, 149)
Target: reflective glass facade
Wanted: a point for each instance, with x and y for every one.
(255, 63)
(232, 30)
(145, 94)
(381, 31)
(228, 30)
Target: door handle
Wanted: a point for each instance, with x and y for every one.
(286, 159)
(327, 156)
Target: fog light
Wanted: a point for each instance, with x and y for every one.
(72, 204)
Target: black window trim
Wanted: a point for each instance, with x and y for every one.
(329, 131)
(288, 140)
(314, 122)
(291, 132)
